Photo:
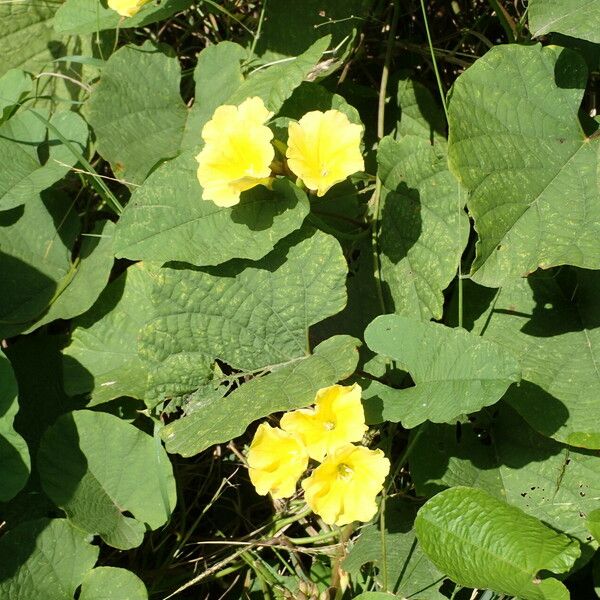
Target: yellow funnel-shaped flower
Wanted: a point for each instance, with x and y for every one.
(276, 461)
(324, 149)
(338, 418)
(237, 153)
(127, 8)
(344, 486)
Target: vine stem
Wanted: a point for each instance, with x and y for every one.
(460, 205)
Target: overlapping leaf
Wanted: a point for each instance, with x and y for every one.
(46, 558)
(532, 170)
(510, 461)
(455, 372)
(482, 542)
(292, 384)
(167, 219)
(575, 18)
(112, 583)
(139, 117)
(102, 358)
(423, 227)
(95, 467)
(550, 321)
(24, 176)
(248, 315)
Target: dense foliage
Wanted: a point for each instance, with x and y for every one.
(448, 272)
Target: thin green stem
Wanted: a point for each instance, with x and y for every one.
(507, 22)
(405, 456)
(259, 27)
(384, 570)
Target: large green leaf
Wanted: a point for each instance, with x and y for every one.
(276, 83)
(250, 315)
(532, 171)
(35, 257)
(423, 225)
(550, 321)
(576, 18)
(292, 384)
(455, 372)
(46, 558)
(167, 219)
(509, 460)
(102, 357)
(112, 583)
(88, 16)
(24, 176)
(482, 542)
(14, 456)
(410, 574)
(86, 278)
(95, 467)
(138, 114)
(136, 110)
(420, 114)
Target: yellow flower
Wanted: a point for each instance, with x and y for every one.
(344, 486)
(276, 460)
(237, 153)
(127, 8)
(324, 149)
(338, 418)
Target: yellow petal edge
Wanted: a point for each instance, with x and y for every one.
(237, 153)
(323, 149)
(276, 460)
(337, 418)
(344, 487)
(127, 8)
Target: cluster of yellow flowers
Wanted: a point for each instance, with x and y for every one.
(323, 149)
(127, 8)
(344, 486)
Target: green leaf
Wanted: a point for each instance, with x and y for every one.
(86, 279)
(550, 322)
(593, 523)
(292, 384)
(576, 18)
(34, 257)
(276, 83)
(423, 227)
(521, 165)
(455, 372)
(102, 357)
(410, 574)
(217, 75)
(249, 315)
(95, 467)
(136, 110)
(26, 33)
(46, 558)
(312, 19)
(510, 461)
(14, 85)
(24, 176)
(112, 583)
(482, 542)
(167, 219)
(140, 120)
(89, 16)
(420, 114)
(14, 455)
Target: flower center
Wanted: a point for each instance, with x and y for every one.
(344, 471)
(328, 425)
